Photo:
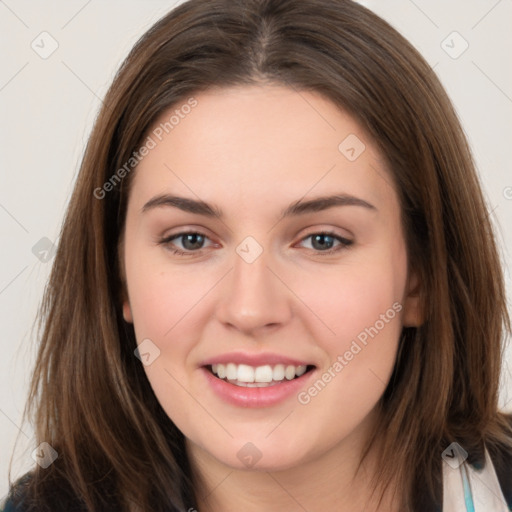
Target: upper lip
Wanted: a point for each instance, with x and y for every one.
(259, 359)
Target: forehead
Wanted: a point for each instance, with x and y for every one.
(269, 143)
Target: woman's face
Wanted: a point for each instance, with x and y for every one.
(296, 261)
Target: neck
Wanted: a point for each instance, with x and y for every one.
(329, 481)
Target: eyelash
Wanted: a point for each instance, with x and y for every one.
(344, 242)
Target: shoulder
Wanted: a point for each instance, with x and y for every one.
(15, 500)
(502, 461)
(9, 506)
(53, 497)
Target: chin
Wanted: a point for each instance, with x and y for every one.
(259, 455)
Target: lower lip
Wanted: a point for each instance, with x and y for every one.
(256, 397)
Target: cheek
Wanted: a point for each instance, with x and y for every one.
(165, 306)
(360, 308)
(161, 301)
(350, 301)
(170, 308)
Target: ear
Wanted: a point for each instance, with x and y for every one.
(413, 315)
(127, 311)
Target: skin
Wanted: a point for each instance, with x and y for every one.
(253, 150)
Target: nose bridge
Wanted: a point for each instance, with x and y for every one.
(254, 297)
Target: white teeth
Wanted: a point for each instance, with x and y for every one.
(231, 371)
(289, 373)
(301, 370)
(278, 372)
(251, 384)
(263, 374)
(245, 373)
(259, 376)
(221, 371)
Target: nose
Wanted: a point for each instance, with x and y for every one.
(254, 297)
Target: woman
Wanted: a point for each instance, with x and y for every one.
(276, 287)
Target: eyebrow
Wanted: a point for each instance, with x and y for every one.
(296, 208)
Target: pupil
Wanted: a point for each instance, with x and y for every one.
(322, 245)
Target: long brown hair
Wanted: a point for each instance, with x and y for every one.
(89, 397)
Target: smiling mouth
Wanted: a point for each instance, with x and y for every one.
(244, 375)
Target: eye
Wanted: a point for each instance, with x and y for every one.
(323, 242)
(192, 242)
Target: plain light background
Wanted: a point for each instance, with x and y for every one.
(48, 106)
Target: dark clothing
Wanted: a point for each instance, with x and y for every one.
(502, 463)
